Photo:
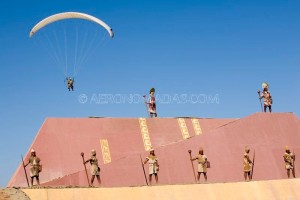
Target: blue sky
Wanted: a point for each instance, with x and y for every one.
(224, 49)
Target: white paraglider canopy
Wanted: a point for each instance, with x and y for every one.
(69, 15)
(70, 38)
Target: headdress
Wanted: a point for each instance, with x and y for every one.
(152, 90)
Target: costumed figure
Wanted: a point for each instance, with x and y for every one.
(266, 95)
(202, 164)
(36, 167)
(289, 159)
(247, 164)
(95, 169)
(153, 165)
(152, 103)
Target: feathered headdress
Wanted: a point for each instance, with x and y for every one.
(152, 90)
(265, 85)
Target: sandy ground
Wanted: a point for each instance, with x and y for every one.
(12, 194)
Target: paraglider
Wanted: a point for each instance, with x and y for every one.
(70, 83)
(64, 43)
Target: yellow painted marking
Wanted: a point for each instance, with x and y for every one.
(145, 134)
(105, 151)
(183, 128)
(197, 127)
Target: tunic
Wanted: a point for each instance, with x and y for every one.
(202, 163)
(288, 159)
(247, 163)
(35, 166)
(267, 98)
(152, 104)
(153, 168)
(94, 166)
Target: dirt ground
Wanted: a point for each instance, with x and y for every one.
(12, 194)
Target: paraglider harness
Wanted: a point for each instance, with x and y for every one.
(70, 82)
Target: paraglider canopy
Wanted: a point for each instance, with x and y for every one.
(69, 15)
(70, 38)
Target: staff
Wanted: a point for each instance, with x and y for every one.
(87, 176)
(25, 170)
(258, 92)
(144, 170)
(190, 152)
(146, 105)
(293, 171)
(252, 165)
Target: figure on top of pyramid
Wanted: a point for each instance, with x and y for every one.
(266, 95)
(152, 103)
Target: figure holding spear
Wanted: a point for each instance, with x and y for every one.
(202, 167)
(95, 169)
(266, 95)
(153, 166)
(36, 168)
(151, 103)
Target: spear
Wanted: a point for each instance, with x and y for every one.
(25, 170)
(146, 105)
(293, 170)
(190, 152)
(252, 165)
(87, 176)
(144, 170)
(258, 92)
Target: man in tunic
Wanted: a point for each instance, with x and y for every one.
(36, 168)
(202, 161)
(247, 165)
(153, 165)
(95, 169)
(152, 103)
(266, 95)
(289, 159)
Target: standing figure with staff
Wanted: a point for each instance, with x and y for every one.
(153, 166)
(152, 103)
(202, 167)
(95, 169)
(266, 95)
(36, 167)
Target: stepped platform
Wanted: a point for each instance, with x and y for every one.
(121, 143)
